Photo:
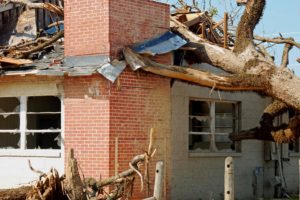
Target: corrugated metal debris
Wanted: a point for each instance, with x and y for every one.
(164, 43)
(112, 70)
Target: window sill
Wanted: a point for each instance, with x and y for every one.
(31, 153)
(214, 154)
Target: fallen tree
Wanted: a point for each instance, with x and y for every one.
(249, 66)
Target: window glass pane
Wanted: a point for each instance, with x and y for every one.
(199, 142)
(9, 140)
(43, 140)
(9, 121)
(9, 104)
(294, 146)
(225, 117)
(199, 108)
(43, 104)
(224, 143)
(199, 120)
(199, 124)
(43, 121)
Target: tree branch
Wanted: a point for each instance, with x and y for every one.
(278, 40)
(25, 53)
(285, 55)
(230, 83)
(250, 18)
(47, 6)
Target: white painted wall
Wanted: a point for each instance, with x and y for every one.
(195, 177)
(15, 171)
(14, 167)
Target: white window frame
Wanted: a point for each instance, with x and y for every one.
(214, 151)
(22, 151)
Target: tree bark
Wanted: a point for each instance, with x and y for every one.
(74, 185)
(250, 18)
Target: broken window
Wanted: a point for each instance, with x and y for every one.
(30, 123)
(210, 123)
(9, 123)
(9, 140)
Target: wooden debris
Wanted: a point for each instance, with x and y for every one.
(15, 194)
(73, 183)
(201, 24)
(51, 186)
(48, 6)
(25, 52)
(15, 61)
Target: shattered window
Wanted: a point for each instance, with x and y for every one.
(9, 140)
(43, 140)
(35, 119)
(43, 123)
(9, 123)
(210, 123)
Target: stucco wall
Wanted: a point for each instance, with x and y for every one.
(201, 177)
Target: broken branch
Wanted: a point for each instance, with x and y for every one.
(231, 83)
(278, 40)
(47, 6)
(25, 53)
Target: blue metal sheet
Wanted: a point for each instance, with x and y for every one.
(54, 29)
(164, 43)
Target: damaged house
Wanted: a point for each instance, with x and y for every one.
(81, 92)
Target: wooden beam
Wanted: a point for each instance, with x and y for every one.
(193, 19)
(218, 24)
(15, 61)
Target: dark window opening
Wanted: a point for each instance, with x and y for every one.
(43, 121)
(43, 140)
(43, 104)
(9, 140)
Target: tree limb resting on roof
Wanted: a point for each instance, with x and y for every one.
(231, 82)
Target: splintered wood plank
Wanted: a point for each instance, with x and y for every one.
(15, 61)
(193, 19)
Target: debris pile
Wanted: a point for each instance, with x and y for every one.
(24, 43)
(202, 24)
(73, 186)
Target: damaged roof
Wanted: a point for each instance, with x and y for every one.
(49, 60)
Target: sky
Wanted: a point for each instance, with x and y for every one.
(279, 17)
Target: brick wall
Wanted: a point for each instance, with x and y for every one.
(142, 102)
(104, 27)
(135, 21)
(86, 105)
(86, 27)
(92, 122)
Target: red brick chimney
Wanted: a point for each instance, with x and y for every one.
(103, 27)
